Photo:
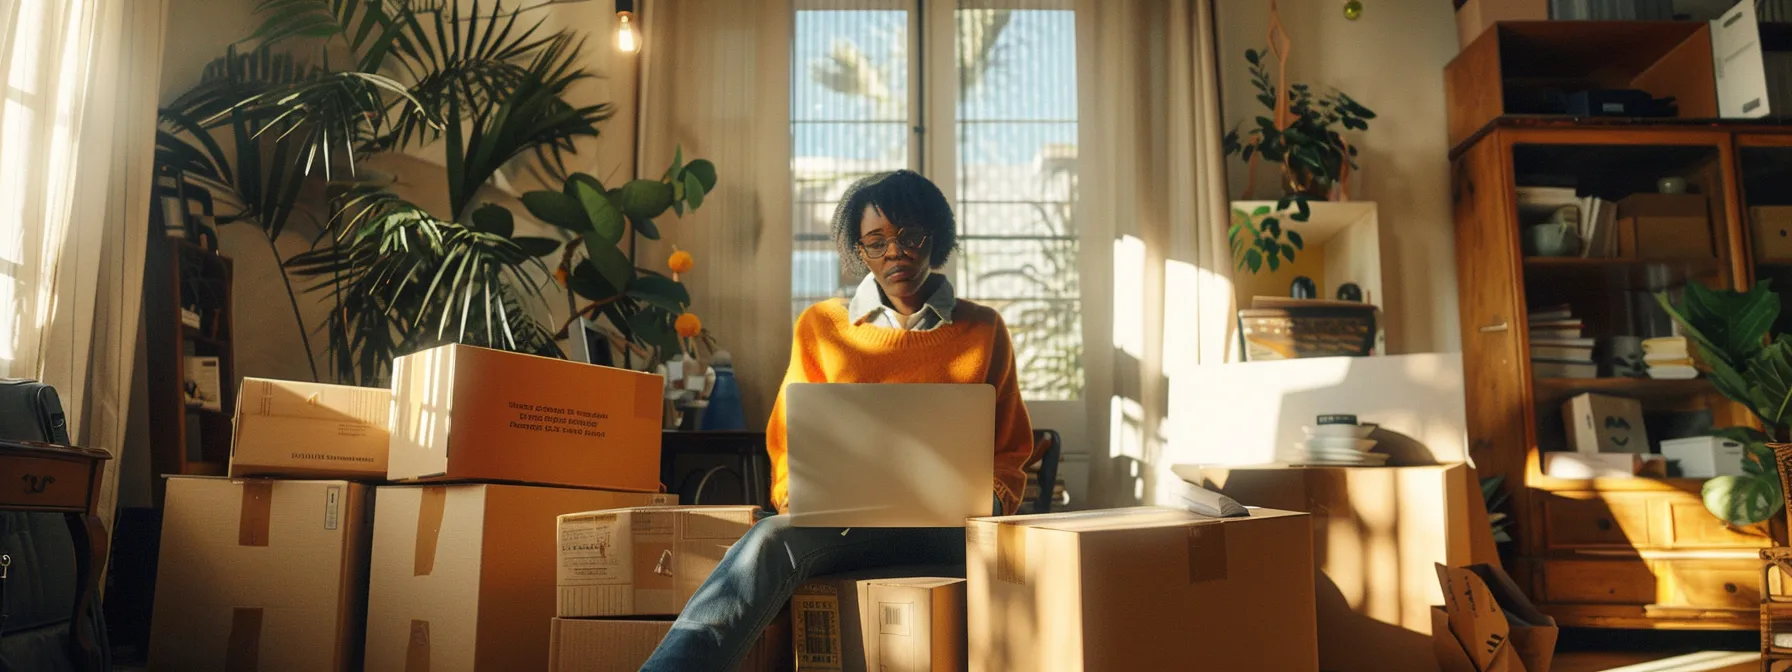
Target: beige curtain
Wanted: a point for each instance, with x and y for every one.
(1153, 195)
(715, 80)
(77, 136)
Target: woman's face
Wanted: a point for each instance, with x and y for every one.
(901, 272)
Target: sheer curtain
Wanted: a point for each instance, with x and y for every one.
(715, 80)
(77, 136)
(1154, 204)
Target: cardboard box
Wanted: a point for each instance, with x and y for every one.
(524, 419)
(1487, 625)
(1376, 534)
(1705, 456)
(1562, 464)
(1165, 587)
(624, 645)
(1476, 16)
(641, 561)
(1772, 228)
(261, 575)
(833, 615)
(310, 430)
(917, 625)
(463, 575)
(1664, 226)
(1599, 423)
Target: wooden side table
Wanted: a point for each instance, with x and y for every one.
(44, 478)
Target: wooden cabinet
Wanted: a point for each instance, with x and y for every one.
(1631, 553)
(188, 331)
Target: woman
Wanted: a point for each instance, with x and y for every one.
(904, 325)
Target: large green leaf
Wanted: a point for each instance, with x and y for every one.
(586, 281)
(557, 209)
(661, 292)
(693, 191)
(1770, 380)
(1735, 323)
(645, 227)
(536, 246)
(610, 262)
(1742, 500)
(704, 171)
(605, 219)
(495, 220)
(645, 199)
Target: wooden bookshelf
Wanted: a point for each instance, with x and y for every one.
(187, 439)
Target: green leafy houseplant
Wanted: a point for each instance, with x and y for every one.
(1730, 333)
(329, 83)
(1310, 148)
(1258, 237)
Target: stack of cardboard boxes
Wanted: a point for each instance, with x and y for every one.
(518, 527)
(287, 564)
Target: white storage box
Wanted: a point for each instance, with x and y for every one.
(1595, 465)
(1705, 456)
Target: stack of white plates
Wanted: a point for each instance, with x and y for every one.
(1336, 445)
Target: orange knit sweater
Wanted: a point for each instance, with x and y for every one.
(974, 348)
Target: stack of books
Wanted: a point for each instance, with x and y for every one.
(1558, 347)
(1668, 358)
(1595, 218)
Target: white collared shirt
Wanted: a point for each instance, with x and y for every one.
(868, 306)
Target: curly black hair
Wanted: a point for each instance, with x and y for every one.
(905, 198)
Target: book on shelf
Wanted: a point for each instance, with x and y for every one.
(1542, 368)
(1566, 333)
(1569, 353)
(1550, 314)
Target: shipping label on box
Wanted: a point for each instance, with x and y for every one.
(468, 413)
(1600, 423)
(816, 619)
(642, 561)
(298, 429)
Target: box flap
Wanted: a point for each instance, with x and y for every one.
(1741, 70)
(295, 399)
(1474, 615)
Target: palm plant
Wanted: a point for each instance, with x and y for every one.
(490, 87)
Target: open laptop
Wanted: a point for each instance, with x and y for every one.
(889, 455)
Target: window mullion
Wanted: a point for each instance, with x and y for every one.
(939, 98)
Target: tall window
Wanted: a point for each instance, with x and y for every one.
(39, 91)
(1009, 162)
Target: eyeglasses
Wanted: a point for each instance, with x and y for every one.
(878, 247)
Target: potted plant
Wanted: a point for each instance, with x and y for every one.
(327, 85)
(1729, 332)
(1308, 142)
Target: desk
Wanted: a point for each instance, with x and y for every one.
(44, 478)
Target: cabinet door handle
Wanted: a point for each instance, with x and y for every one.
(1604, 525)
(1502, 326)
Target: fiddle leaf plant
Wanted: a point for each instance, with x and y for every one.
(1730, 332)
(641, 304)
(1258, 237)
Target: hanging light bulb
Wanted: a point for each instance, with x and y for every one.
(628, 38)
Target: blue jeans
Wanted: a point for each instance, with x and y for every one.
(759, 574)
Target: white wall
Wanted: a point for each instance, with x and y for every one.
(1391, 60)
